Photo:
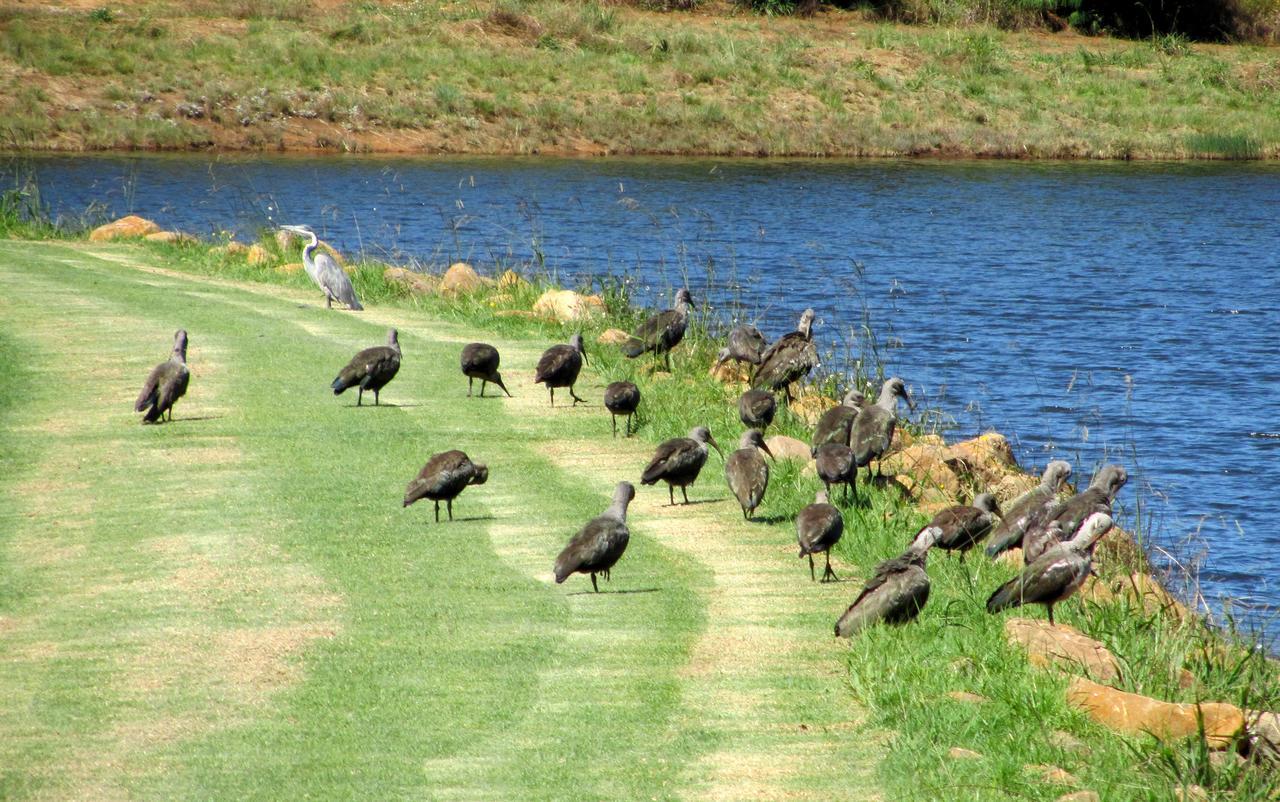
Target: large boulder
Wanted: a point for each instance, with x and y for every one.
(568, 306)
(810, 406)
(1168, 721)
(923, 467)
(232, 248)
(613, 337)
(784, 447)
(988, 457)
(461, 279)
(257, 255)
(730, 372)
(1063, 646)
(416, 283)
(129, 226)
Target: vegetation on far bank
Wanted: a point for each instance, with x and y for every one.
(540, 76)
(428, 634)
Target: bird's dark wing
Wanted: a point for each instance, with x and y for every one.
(147, 397)
(1076, 509)
(835, 426)
(596, 546)
(1045, 580)
(1009, 532)
(173, 385)
(896, 593)
(790, 358)
(671, 456)
(553, 361)
(872, 433)
(818, 527)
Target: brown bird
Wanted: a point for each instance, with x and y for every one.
(747, 472)
(836, 424)
(661, 332)
(746, 344)
(443, 478)
(756, 409)
(1056, 574)
(818, 528)
(480, 361)
(962, 526)
(789, 359)
(836, 466)
(896, 593)
(873, 428)
(166, 383)
(678, 462)
(560, 366)
(1065, 520)
(599, 545)
(1029, 509)
(621, 398)
(371, 369)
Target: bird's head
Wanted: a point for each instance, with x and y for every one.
(576, 343)
(683, 297)
(1056, 474)
(754, 438)
(480, 476)
(624, 493)
(893, 388)
(987, 503)
(701, 434)
(805, 326)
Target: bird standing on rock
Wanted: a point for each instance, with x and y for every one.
(1056, 574)
(962, 526)
(621, 398)
(326, 272)
(1065, 520)
(747, 471)
(480, 361)
(599, 545)
(872, 432)
(166, 383)
(789, 359)
(679, 460)
(443, 478)
(896, 593)
(661, 332)
(818, 528)
(1028, 509)
(756, 409)
(745, 344)
(560, 366)
(371, 369)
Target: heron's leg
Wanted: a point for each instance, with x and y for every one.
(470, 383)
(594, 586)
(437, 512)
(812, 576)
(449, 504)
(827, 572)
(615, 425)
(684, 491)
(328, 301)
(574, 395)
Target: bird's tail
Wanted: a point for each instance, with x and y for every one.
(1008, 540)
(651, 475)
(633, 347)
(354, 305)
(1007, 595)
(154, 414)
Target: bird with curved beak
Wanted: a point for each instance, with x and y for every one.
(897, 591)
(661, 332)
(1056, 574)
(873, 428)
(747, 472)
(560, 366)
(678, 461)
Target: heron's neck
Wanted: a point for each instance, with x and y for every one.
(310, 247)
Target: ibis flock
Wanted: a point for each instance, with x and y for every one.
(1057, 538)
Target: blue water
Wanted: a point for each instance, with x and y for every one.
(1093, 312)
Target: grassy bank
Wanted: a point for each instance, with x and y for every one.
(547, 76)
(271, 623)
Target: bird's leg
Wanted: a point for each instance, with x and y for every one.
(574, 395)
(671, 493)
(449, 504)
(1051, 616)
(359, 395)
(328, 301)
(594, 586)
(744, 514)
(684, 491)
(827, 572)
(483, 384)
(666, 356)
(608, 575)
(376, 402)
(628, 424)
(437, 512)
(470, 380)
(615, 425)
(812, 576)
(553, 395)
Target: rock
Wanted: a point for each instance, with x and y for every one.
(1136, 714)
(460, 279)
(1137, 589)
(966, 696)
(1263, 728)
(1052, 774)
(173, 237)
(416, 283)
(1080, 796)
(988, 456)
(511, 280)
(291, 267)
(257, 255)
(126, 227)
(1192, 793)
(784, 447)
(1068, 742)
(567, 306)
(1062, 645)
(1012, 558)
(923, 466)
(730, 372)
(613, 337)
(1012, 486)
(959, 753)
(810, 407)
(1225, 760)
(232, 248)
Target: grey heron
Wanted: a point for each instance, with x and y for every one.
(325, 272)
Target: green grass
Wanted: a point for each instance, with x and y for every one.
(274, 625)
(552, 76)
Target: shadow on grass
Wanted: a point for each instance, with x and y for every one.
(614, 592)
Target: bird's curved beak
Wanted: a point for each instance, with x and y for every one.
(911, 402)
(585, 361)
(765, 448)
(715, 445)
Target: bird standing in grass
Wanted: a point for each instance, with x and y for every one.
(166, 383)
(678, 462)
(836, 424)
(1029, 509)
(1056, 574)
(747, 471)
(325, 271)
(756, 409)
(661, 332)
(896, 593)
(818, 528)
(600, 544)
(621, 398)
(789, 359)
(963, 526)
(480, 361)
(443, 477)
(836, 466)
(371, 369)
(560, 366)
(872, 432)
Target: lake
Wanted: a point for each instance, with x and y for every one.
(1092, 312)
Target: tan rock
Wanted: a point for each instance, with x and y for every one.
(460, 279)
(1192, 793)
(960, 753)
(923, 466)
(988, 456)
(1080, 796)
(1063, 646)
(784, 447)
(1136, 714)
(1052, 774)
(1068, 742)
(1012, 558)
(1012, 486)
(511, 280)
(810, 406)
(966, 696)
(567, 306)
(232, 248)
(416, 283)
(172, 237)
(257, 255)
(126, 227)
(1137, 589)
(613, 337)
(730, 372)
(1264, 735)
